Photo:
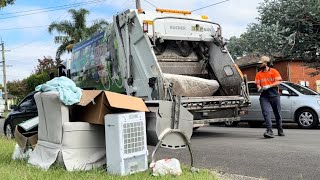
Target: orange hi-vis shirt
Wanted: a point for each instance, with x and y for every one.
(268, 77)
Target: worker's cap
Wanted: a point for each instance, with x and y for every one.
(264, 59)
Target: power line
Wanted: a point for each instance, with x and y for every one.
(28, 27)
(43, 32)
(100, 2)
(210, 5)
(150, 3)
(26, 14)
(41, 9)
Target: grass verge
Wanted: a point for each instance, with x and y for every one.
(12, 169)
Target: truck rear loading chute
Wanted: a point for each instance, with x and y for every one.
(138, 51)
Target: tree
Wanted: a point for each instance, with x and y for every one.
(36, 79)
(17, 88)
(41, 75)
(258, 39)
(236, 47)
(4, 3)
(75, 30)
(298, 23)
(48, 65)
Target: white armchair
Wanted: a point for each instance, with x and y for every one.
(78, 145)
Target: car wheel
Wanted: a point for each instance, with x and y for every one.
(8, 130)
(231, 123)
(255, 124)
(307, 118)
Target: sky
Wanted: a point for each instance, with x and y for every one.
(27, 39)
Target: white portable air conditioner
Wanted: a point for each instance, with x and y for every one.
(126, 143)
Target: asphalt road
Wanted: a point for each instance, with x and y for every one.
(244, 151)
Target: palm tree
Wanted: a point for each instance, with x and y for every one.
(75, 30)
(4, 3)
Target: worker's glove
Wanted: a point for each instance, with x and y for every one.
(260, 90)
(265, 87)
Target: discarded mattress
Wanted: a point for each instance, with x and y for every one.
(191, 86)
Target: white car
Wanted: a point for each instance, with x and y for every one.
(299, 104)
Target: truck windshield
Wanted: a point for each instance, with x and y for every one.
(301, 89)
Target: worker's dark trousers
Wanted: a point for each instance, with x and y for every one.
(271, 103)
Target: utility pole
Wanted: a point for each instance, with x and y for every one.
(138, 4)
(4, 78)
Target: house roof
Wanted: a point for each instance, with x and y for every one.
(247, 60)
(252, 60)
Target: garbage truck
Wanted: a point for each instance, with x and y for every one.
(159, 56)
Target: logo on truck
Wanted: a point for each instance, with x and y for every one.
(95, 63)
(181, 28)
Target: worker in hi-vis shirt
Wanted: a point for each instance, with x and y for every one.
(267, 81)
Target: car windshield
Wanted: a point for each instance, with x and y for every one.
(301, 89)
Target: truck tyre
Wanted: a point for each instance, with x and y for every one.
(307, 119)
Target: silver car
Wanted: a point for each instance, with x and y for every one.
(298, 104)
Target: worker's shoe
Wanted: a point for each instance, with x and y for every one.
(280, 132)
(268, 133)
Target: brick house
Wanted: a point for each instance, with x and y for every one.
(290, 70)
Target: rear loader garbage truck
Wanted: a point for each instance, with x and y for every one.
(175, 60)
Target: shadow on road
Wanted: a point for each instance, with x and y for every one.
(285, 126)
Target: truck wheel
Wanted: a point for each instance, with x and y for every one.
(307, 119)
(8, 130)
(255, 124)
(231, 123)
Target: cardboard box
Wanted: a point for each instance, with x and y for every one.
(26, 139)
(95, 104)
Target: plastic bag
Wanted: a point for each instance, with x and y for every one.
(166, 167)
(18, 153)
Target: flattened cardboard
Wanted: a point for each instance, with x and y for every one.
(25, 139)
(121, 101)
(95, 104)
(88, 96)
